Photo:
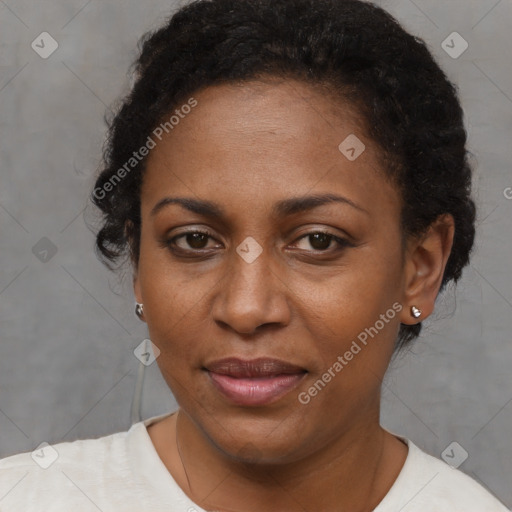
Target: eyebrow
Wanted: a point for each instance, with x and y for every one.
(282, 208)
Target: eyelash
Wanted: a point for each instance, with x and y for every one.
(170, 243)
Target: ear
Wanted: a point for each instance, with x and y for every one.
(425, 262)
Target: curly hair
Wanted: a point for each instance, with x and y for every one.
(410, 108)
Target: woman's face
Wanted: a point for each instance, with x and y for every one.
(270, 280)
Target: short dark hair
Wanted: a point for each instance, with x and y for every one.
(410, 108)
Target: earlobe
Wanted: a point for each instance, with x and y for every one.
(415, 312)
(426, 260)
(139, 306)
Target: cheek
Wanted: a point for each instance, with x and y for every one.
(351, 350)
(170, 290)
(177, 307)
(355, 318)
(358, 293)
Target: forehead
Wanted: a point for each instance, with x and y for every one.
(253, 141)
(257, 115)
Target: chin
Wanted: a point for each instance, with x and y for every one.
(257, 439)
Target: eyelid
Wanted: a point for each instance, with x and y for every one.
(341, 241)
(204, 231)
(337, 233)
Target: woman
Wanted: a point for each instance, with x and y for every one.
(289, 181)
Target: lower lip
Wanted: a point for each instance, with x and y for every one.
(255, 391)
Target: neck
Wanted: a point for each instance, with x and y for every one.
(353, 472)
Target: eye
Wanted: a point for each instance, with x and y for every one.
(197, 241)
(191, 240)
(323, 241)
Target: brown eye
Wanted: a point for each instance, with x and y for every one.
(196, 240)
(321, 241)
(190, 241)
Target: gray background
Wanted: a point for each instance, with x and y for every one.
(67, 368)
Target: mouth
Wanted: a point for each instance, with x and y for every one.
(254, 382)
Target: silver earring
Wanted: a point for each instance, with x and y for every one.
(415, 312)
(139, 309)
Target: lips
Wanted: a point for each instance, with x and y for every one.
(254, 382)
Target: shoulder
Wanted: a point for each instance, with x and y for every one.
(87, 451)
(68, 472)
(427, 483)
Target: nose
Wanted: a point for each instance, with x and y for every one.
(251, 295)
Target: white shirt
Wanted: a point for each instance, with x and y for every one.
(123, 472)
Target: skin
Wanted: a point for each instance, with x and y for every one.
(245, 147)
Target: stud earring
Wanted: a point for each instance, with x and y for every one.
(415, 312)
(139, 309)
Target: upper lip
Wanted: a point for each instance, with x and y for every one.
(261, 367)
